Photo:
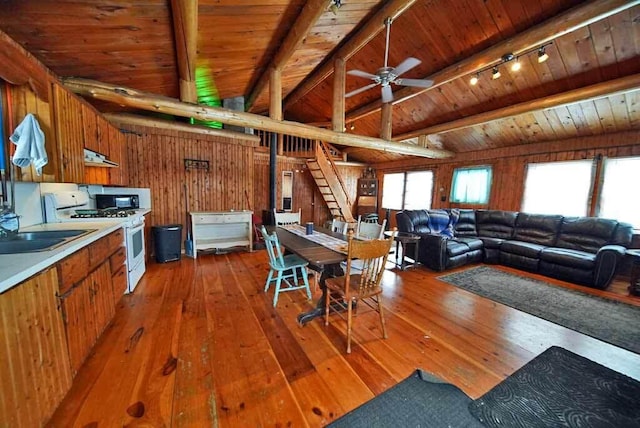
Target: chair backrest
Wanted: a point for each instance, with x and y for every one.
(339, 226)
(372, 257)
(273, 248)
(366, 230)
(286, 218)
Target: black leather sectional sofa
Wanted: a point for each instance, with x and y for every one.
(584, 250)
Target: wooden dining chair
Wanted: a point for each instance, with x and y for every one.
(283, 219)
(284, 268)
(363, 286)
(368, 230)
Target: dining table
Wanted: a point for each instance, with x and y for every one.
(321, 258)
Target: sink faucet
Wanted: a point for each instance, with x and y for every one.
(9, 223)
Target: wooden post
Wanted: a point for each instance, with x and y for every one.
(339, 78)
(185, 28)
(386, 119)
(275, 100)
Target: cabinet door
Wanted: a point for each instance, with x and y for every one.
(79, 323)
(102, 133)
(118, 154)
(34, 369)
(90, 128)
(102, 300)
(67, 117)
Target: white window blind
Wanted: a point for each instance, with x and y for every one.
(558, 188)
(418, 190)
(619, 198)
(392, 191)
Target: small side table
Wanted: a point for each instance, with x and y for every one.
(634, 285)
(405, 238)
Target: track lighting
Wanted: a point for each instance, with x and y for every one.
(542, 55)
(335, 5)
(515, 66)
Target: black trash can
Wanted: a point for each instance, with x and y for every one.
(167, 241)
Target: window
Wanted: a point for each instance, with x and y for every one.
(407, 190)
(558, 188)
(471, 185)
(617, 201)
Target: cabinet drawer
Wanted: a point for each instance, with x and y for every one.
(116, 240)
(118, 259)
(72, 269)
(119, 283)
(208, 219)
(98, 252)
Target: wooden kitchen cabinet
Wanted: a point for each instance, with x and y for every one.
(34, 370)
(68, 124)
(118, 153)
(88, 304)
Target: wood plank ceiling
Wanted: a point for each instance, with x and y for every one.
(131, 43)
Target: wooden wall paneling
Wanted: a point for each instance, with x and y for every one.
(24, 101)
(67, 114)
(34, 374)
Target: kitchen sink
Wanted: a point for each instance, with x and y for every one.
(27, 242)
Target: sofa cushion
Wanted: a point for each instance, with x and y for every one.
(527, 249)
(537, 228)
(458, 246)
(491, 242)
(495, 224)
(568, 257)
(585, 233)
(413, 221)
(466, 225)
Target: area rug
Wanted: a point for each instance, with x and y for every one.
(421, 400)
(608, 320)
(561, 389)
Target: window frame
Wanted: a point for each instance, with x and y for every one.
(406, 175)
(454, 175)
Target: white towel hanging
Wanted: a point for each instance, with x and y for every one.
(29, 141)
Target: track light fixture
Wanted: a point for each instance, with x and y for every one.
(335, 5)
(515, 66)
(542, 55)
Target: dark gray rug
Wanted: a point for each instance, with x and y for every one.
(561, 389)
(421, 400)
(608, 320)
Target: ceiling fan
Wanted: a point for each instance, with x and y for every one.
(387, 75)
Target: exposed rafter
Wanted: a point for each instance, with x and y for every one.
(311, 11)
(151, 102)
(587, 93)
(185, 28)
(392, 9)
(578, 17)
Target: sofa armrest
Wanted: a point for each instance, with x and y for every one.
(433, 250)
(607, 259)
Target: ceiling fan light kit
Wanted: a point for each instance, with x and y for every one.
(386, 75)
(508, 57)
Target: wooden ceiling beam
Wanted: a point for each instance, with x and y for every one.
(575, 18)
(588, 93)
(152, 102)
(308, 17)
(392, 9)
(185, 28)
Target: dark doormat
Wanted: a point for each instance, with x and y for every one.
(605, 319)
(561, 389)
(421, 400)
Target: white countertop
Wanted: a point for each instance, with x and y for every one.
(15, 268)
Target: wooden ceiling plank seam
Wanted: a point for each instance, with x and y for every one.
(597, 91)
(152, 102)
(550, 29)
(309, 15)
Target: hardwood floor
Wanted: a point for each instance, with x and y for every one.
(199, 344)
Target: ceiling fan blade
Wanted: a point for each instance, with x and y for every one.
(357, 91)
(421, 83)
(387, 94)
(406, 65)
(361, 73)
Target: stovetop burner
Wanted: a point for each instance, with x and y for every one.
(103, 213)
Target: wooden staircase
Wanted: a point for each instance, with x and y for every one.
(324, 172)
